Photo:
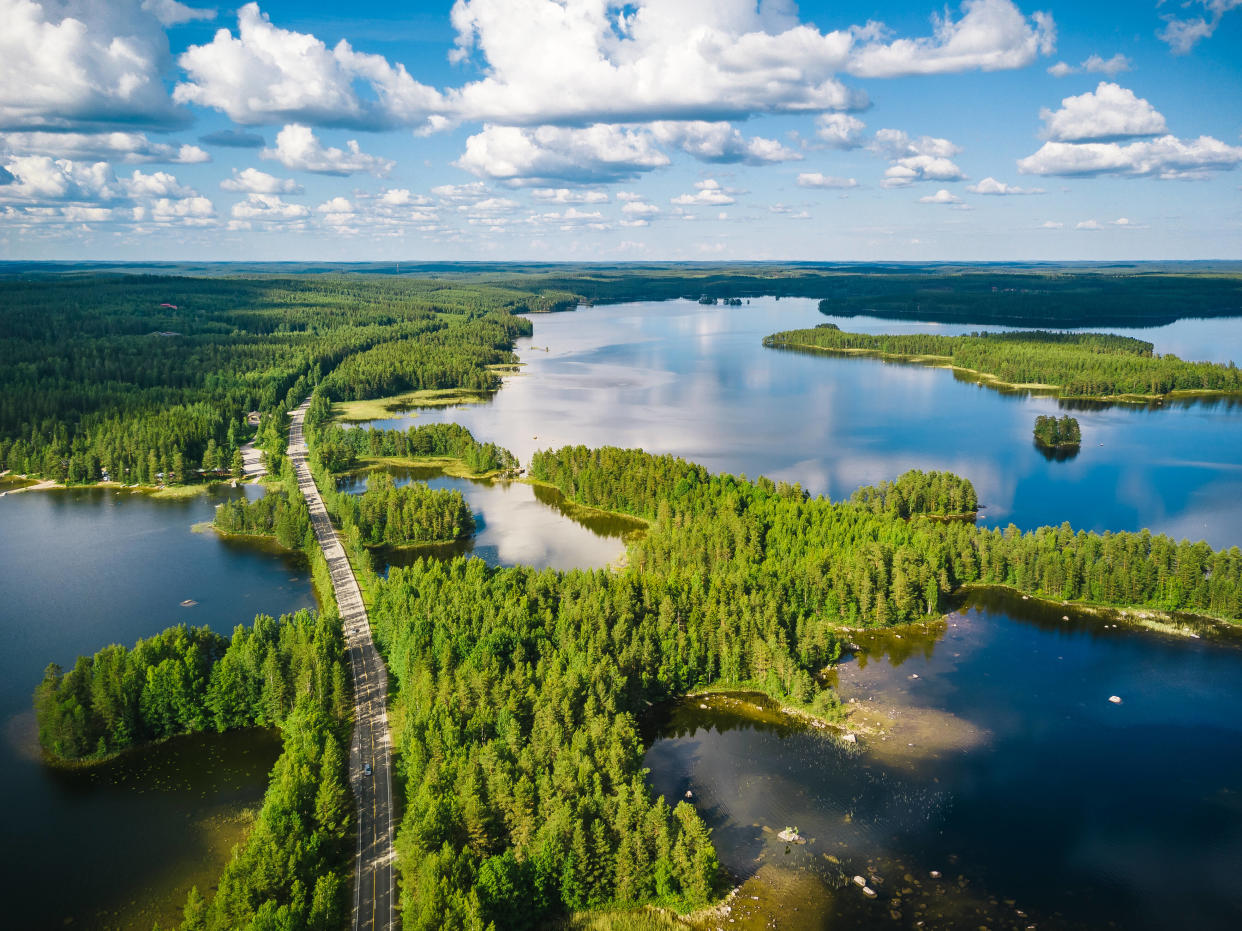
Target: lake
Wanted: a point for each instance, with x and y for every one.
(120, 845)
(679, 377)
(998, 761)
(515, 524)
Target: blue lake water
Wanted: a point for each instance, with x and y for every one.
(678, 377)
(79, 569)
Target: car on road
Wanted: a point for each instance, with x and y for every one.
(366, 769)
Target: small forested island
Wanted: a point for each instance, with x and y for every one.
(1057, 433)
(1069, 365)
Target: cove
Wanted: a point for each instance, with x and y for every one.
(516, 524)
(991, 755)
(119, 845)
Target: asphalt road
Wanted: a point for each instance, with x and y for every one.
(374, 887)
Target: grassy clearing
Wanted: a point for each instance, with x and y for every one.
(454, 468)
(639, 919)
(383, 408)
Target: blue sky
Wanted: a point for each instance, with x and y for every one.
(590, 130)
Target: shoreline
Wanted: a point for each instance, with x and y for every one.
(989, 380)
(1176, 623)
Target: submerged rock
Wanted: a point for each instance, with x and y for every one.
(1115, 699)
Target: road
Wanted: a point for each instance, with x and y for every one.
(374, 888)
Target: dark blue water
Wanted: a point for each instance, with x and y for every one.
(681, 378)
(80, 569)
(1003, 765)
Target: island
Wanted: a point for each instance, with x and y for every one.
(1056, 434)
(1098, 366)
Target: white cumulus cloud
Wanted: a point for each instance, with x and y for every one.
(720, 142)
(927, 158)
(990, 35)
(839, 130)
(1108, 112)
(999, 188)
(1183, 33)
(820, 180)
(133, 148)
(298, 148)
(1166, 157)
(173, 13)
(268, 208)
(708, 193)
(600, 153)
(943, 196)
(78, 64)
(253, 181)
(1095, 64)
(266, 74)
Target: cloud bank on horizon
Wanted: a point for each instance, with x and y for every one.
(597, 129)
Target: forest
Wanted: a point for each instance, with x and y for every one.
(1054, 432)
(1076, 365)
(292, 871)
(414, 513)
(340, 449)
(932, 493)
(148, 379)
(519, 692)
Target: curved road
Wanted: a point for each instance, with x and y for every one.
(374, 889)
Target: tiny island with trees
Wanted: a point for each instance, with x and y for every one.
(1053, 433)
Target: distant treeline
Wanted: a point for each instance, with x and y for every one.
(1056, 296)
(1083, 365)
(149, 379)
(1054, 432)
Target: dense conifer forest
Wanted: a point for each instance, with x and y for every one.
(1077, 365)
(414, 513)
(517, 693)
(149, 379)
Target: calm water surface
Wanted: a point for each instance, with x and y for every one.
(80, 569)
(1005, 768)
(678, 377)
(515, 524)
